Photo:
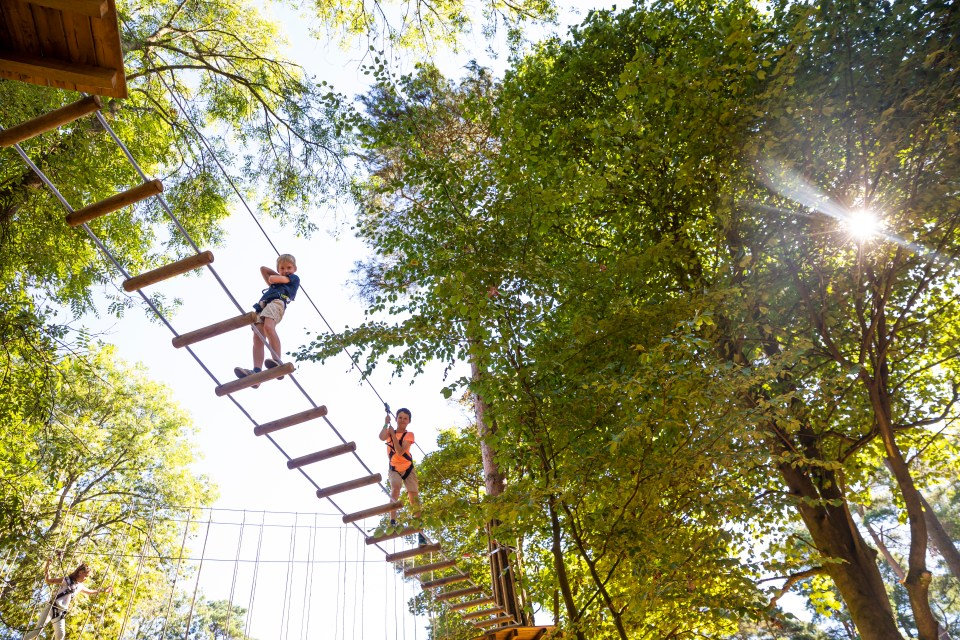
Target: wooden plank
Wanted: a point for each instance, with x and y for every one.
(168, 271)
(483, 624)
(92, 8)
(256, 378)
(439, 582)
(413, 553)
(49, 121)
(83, 50)
(59, 71)
(115, 202)
(106, 36)
(373, 511)
(350, 485)
(23, 30)
(216, 329)
(289, 421)
(472, 603)
(459, 593)
(409, 531)
(53, 40)
(479, 614)
(319, 456)
(427, 568)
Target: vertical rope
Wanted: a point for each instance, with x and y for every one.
(256, 572)
(176, 572)
(196, 584)
(286, 611)
(308, 580)
(363, 590)
(236, 563)
(136, 580)
(116, 571)
(346, 567)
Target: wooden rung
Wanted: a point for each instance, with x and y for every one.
(409, 531)
(289, 421)
(92, 8)
(214, 330)
(482, 624)
(413, 553)
(168, 271)
(439, 582)
(115, 202)
(326, 454)
(49, 121)
(459, 593)
(479, 614)
(427, 568)
(472, 603)
(349, 485)
(374, 511)
(255, 378)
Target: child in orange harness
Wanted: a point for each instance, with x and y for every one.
(402, 472)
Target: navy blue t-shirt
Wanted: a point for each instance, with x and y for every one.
(285, 291)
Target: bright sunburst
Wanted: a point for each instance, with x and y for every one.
(863, 224)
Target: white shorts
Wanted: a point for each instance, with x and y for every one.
(273, 310)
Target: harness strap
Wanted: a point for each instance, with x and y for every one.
(407, 456)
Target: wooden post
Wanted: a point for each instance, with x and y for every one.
(334, 489)
(427, 568)
(214, 330)
(256, 378)
(49, 121)
(115, 202)
(409, 531)
(289, 421)
(439, 582)
(168, 271)
(413, 553)
(479, 614)
(459, 593)
(472, 603)
(332, 452)
(373, 511)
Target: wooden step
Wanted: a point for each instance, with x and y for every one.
(49, 121)
(483, 624)
(459, 593)
(318, 456)
(374, 511)
(427, 568)
(334, 489)
(242, 383)
(472, 603)
(115, 202)
(480, 614)
(168, 271)
(409, 531)
(212, 330)
(289, 421)
(439, 582)
(413, 553)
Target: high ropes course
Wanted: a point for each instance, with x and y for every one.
(75, 45)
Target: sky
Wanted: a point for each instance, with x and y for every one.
(306, 547)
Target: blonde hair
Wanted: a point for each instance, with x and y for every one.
(286, 257)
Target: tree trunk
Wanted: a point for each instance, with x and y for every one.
(558, 562)
(940, 539)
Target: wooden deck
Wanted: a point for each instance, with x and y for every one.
(518, 633)
(70, 44)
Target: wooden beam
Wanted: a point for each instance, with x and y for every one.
(413, 553)
(483, 624)
(326, 454)
(479, 614)
(58, 70)
(114, 202)
(168, 271)
(472, 603)
(427, 568)
(92, 8)
(256, 378)
(373, 511)
(459, 593)
(212, 330)
(334, 489)
(289, 421)
(439, 582)
(409, 531)
(49, 121)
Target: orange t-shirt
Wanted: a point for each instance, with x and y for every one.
(397, 461)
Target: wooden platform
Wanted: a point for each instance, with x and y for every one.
(518, 633)
(69, 44)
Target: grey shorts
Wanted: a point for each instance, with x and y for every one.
(274, 310)
(411, 483)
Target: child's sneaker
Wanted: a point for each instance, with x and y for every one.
(270, 363)
(240, 372)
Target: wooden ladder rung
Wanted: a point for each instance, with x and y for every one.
(413, 553)
(49, 121)
(115, 202)
(289, 421)
(439, 582)
(334, 489)
(427, 568)
(483, 624)
(217, 329)
(168, 271)
(409, 531)
(256, 378)
(459, 593)
(317, 456)
(479, 614)
(373, 511)
(472, 603)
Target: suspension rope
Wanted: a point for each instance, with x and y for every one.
(136, 580)
(176, 573)
(196, 584)
(256, 572)
(236, 565)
